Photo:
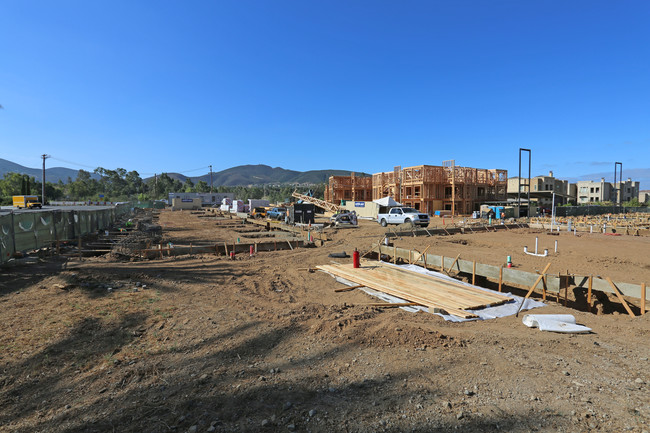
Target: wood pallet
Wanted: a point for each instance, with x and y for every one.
(433, 292)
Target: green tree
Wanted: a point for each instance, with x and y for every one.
(201, 186)
(632, 203)
(84, 187)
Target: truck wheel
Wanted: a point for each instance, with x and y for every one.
(407, 221)
(383, 222)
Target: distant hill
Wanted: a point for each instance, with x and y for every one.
(262, 174)
(241, 175)
(53, 174)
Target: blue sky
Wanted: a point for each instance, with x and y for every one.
(171, 86)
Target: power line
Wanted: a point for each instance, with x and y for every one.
(145, 174)
(73, 163)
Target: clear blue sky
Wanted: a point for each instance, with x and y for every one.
(358, 85)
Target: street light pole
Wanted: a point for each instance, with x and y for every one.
(210, 178)
(44, 156)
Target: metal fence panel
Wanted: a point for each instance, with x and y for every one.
(44, 228)
(7, 247)
(24, 231)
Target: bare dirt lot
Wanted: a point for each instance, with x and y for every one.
(200, 343)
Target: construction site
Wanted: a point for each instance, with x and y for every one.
(204, 320)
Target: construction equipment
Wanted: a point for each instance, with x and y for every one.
(344, 218)
(320, 203)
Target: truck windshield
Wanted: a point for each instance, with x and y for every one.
(409, 210)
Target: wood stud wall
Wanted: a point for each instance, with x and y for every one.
(424, 187)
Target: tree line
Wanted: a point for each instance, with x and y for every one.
(122, 185)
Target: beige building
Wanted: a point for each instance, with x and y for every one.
(542, 189)
(644, 196)
(619, 192)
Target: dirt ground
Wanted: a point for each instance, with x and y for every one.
(202, 343)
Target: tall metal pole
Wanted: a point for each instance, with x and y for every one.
(519, 187)
(529, 168)
(210, 178)
(521, 149)
(618, 189)
(44, 156)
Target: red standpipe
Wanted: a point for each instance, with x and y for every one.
(355, 258)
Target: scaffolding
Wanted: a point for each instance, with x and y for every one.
(427, 188)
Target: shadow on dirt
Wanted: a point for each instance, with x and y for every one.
(43, 379)
(241, 381)
(94, 281)
(21, 273)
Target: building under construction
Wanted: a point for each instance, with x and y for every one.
(427, 188)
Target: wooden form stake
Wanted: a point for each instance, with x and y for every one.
(474, 273)
(642, 299)
(225, 245)
(347, 289)
(500, 277)
(79, 247)
(422, 254)
(453, 263)
(532, 288)
(591, 280)
(620, 296)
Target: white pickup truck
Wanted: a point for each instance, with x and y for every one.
(400, 215)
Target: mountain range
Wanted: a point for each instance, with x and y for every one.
(263, 174)
(53, 174)
(242, 175)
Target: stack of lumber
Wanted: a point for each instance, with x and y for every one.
(438, 294)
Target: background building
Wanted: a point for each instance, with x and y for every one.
(427, 188)
(619, 192)
(542, 189)
(207, 198)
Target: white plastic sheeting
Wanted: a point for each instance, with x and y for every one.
(564, 323)
(507, 309)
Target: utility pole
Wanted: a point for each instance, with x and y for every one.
(210, 178)
(44, 156)
(155, 185)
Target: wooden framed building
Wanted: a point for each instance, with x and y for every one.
(353, 188)
(427, 188)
